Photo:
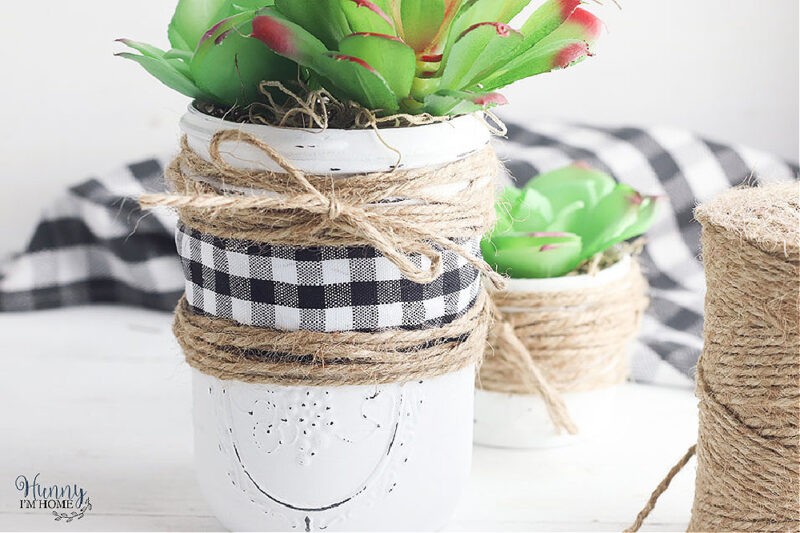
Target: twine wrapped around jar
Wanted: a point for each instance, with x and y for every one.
(548, 343)
(398, 213)
(748, 376)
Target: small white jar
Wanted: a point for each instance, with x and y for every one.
(522, 420)
(387, 457)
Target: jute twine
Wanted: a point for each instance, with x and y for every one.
(226, 350)
(748, 376)
(548, 343)
(395, 212)
(323, 211)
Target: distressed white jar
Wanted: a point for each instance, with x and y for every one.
(351, 458)
(521, 420)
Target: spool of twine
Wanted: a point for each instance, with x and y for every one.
(548, 343)
(748, 376)
(398, 213)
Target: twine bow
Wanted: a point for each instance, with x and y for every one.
(397, 217)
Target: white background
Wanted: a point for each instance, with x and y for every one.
(725, 68)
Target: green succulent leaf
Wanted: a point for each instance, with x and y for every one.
(230, 65)
(364, 16)
(606, 223)
(191, 20)
(421, 22)
(575, 183)
(324, 19)
(449, 102)
(166, 72)
(240, 6)
(183, 55)
(481, 49)
(509, 9)
(567, 218)
(353, 78)
(648, 210)
(388, 55)
(532, 212)
(533, 255)
(144, 48)
(477, 11)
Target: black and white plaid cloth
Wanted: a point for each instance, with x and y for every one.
(94, 245)
(322, 288)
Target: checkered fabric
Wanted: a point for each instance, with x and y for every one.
(320, 288)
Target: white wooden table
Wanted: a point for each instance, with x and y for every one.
(100, 396)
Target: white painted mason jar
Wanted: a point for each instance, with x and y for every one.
(385, 457)
(521, 420)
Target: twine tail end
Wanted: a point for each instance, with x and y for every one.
(660, 489)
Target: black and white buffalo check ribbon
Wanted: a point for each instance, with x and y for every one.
(321, 288)
(94, 245)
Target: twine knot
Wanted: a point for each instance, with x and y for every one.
(394, 212)
(335, 208)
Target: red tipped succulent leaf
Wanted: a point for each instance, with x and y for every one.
(538, 60)
(546, 19)
(231, 66)
(581, 25)
(286, 38)
(449, 102)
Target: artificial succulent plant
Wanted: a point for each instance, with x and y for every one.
(562, 218)
(442, 57)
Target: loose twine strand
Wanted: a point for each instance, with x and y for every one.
(394, 212)
(660, 489)
(748, 376)
(567, 341)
